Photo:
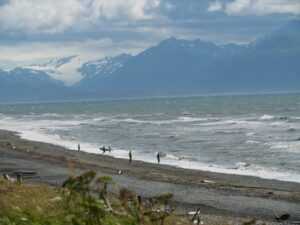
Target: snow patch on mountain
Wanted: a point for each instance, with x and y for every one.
(105, 66)
(31, 77)
(56, 62)
(64, 69)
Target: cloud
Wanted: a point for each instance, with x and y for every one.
(35, 29)
(257, 7)
(54, 16)
(3, 2)
(238, 6)
(215, 6)
(34, 15)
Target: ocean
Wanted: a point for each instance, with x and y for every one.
(256, 135)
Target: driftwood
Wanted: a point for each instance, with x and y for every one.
(13, 180)
(24, 172)
(208, 181)
(107, 203)
(196, 217)
(282, 217)
(7, 177)
(30, 177)
(20, 176)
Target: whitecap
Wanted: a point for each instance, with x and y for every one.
(266, 117)
(191, 119)
(279, 146)
(252, 142)
(173, 157)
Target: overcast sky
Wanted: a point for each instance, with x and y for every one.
(35, 29)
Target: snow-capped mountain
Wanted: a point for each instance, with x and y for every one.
(27, 76)
(22, 84)
(169, 66)
(72, 69)
(95, 71)
(105, 66)
(54, 63)
(68, 70)
(176, 67)
(172, 67)
(63, 69)
(202, 48)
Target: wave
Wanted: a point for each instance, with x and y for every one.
(240, 168)
(226, 132)
(252, 142)
(182, 119)
(50, 115)
(280, 118)
(39, 130)
(250, 134)
(172, 157)
(292, 146)
(266, 117)
(279, 146)
(240, 165)
(187, 113)
(192, 119)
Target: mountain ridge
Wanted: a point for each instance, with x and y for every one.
(177, 67)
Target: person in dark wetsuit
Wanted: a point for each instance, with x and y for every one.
(158, 158)
(130, 156)
(78, 147)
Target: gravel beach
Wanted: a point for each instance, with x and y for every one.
(214, 193)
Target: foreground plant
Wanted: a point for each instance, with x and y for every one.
(82, 200)
(81, 206)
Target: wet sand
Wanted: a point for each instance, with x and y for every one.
(214, 193)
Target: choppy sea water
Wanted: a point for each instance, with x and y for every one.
(257, 135)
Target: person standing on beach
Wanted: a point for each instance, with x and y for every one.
(130, 156)
(78, 147)
(158, 158)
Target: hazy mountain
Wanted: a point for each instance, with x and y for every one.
(64, 69)
(166, 68)
(173, 67)
(269, 64)
(27, 77)
(287, 36)
(54, 63)
(26, 85)
(95, 71)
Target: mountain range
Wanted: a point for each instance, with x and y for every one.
(173, 67)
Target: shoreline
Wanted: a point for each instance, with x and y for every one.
(215, 193)
(234, 170)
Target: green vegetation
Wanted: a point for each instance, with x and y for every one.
(82, 200)
(86, 200)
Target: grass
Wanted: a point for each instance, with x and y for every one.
(84, 200)
(79, 202)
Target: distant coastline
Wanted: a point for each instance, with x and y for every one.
(98, 99)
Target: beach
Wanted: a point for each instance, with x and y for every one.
(215, 193)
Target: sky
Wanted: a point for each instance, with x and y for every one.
(32, 30)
